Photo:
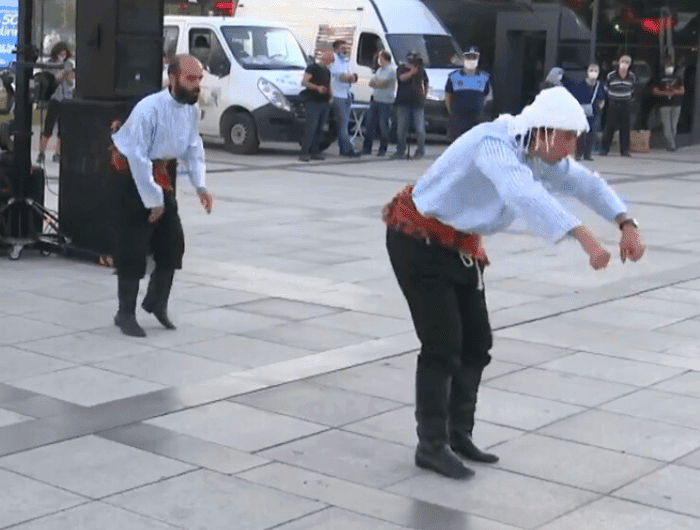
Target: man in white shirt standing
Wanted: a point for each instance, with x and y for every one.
(161, 129)
(491, 175)
(341, 88)
(384, 84)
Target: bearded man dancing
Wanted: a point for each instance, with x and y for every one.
(489, 176)
(161, 128)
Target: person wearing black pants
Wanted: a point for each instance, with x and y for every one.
(161, 128)
(619, 86)
(317, 96)
(445, 294)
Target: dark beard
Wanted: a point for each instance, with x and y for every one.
(184, 96)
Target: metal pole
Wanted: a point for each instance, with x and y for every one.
(23, 108)
(696, 104)
(594, 30)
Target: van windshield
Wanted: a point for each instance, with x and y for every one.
(437, 51)
(264, 48)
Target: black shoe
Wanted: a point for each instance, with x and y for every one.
(381, 153)
(603, 153)
(352, 154)
(418, 155)
(442, 460)
(397, 156)
(464, 446)
(127, 323)
(589, 158)
(161, 315)
(317, 157)
(625, 154)
(304, 158)
(366, 152)
(41, 159)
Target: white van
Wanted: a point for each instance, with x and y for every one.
(398, 26)
(252, 79)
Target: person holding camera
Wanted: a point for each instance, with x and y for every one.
(65, 79)
(341, 88)
(410, 102)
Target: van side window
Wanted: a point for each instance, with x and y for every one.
(368, 45)
(170, 36)
(205, 46)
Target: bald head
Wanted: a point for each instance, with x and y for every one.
(186, 74)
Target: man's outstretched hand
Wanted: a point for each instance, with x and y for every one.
(631, 244)
(206, 200)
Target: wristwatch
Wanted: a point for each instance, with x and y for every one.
(628, 221)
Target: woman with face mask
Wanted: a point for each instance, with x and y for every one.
(590, 93)
(620, 88)
(670, 91)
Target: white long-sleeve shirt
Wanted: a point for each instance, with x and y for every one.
(161, 128)
(485, 180)
(341, 66)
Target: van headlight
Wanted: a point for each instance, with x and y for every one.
(274, 95)
(435, 94)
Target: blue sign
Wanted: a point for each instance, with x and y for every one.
(8, 31)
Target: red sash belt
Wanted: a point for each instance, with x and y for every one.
(401, 215)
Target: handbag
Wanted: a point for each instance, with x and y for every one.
(588, 107)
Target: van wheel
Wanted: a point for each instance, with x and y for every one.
(240, 134)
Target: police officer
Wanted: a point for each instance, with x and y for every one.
(467, 92)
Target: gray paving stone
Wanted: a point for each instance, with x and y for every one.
(86, 386)
(498, 495)
(286, 309)
(573, 464)
(235, 425)
(214, 296)
(336, 519)
(634, 436)
(16, 329)
(672, 488)
(613, 514)
(307, 336)
(663, 407)
(348, 456)
(316, 403)
(203, 499)
(95, 515)
(243, 351)
(611, 369)
(375, 379)
(23, 499)
(93, 467)
(85, 348)
(525, 353)
(401, 510)
(20, 364)
(159, 337)
(525, 412)
(558, 386)
(168, 367)
(7, 417)
(366, 324)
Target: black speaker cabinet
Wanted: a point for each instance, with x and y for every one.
(20, 222)
(87, 198)
(119, 48)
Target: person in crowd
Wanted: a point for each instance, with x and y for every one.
(65, 86)
(670, 91)
(384, 84)
(467, 92)
(410, 102)
(161, 129)
(491, 175)
(590, 93)
(342, 80)
(317, 96)
(619, 86)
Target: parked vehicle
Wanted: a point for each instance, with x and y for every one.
(252, 80)
(399, 26)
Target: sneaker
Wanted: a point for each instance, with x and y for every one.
(318, 157)
(41, 158)
(56, 158)
(304, 158)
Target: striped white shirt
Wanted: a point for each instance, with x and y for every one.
(484, 181)
(620, 88)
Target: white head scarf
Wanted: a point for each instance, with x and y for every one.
(553, 108)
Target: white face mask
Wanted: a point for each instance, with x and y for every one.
(669, 70)
(593, 74)
(624, 66)
(471, 64)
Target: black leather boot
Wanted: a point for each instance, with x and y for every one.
(433, 451)
(125, 318)
(465, 386)
(156, 300)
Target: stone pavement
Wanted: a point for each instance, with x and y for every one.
(284, 399)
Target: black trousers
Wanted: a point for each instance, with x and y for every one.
(447, 301)
(618, 117)
(135, 237)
